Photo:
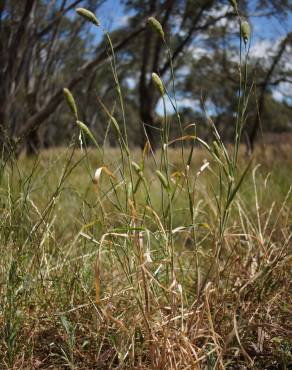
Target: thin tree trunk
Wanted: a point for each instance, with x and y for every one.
(32, 143)
(264, 87)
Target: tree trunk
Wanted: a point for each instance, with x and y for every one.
(2, 120)
(264, 87)
(33, 143)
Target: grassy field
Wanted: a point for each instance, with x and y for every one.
(139, 269)
(126, 259)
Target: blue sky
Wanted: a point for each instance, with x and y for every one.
(112, 15)
(265, 31)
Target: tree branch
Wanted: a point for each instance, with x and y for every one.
(51, 105)
(189, 35)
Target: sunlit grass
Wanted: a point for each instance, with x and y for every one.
(178, 259)
(49, 248)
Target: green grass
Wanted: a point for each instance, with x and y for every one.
(50, 239)
(175, 260)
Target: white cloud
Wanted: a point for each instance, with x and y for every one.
(263, 49)
(131, 82)
(220, 11)
(181, 103)
(283, 92)
(123, 21)
(198, 52)
(183, 71)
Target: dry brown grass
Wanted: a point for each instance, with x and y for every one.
(234, 314)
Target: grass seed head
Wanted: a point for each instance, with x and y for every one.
(88, 15)
(146, 149)
(245, 31)
(86, 130)
(71, 102)
(162, 179)
(158, 83)
(136, 167)
(155, 24)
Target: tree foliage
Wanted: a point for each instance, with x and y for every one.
(45, 47)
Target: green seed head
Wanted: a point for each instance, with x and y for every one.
(71, 102)
(245, 31)
(156, 26)
(83, 127)
(86, 130)
(87, 14)
(136, 167)
(162, 179)
(158, 83)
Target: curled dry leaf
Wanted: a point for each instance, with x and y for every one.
(98, 172)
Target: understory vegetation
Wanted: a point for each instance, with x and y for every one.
(127, 259)
(197, 311)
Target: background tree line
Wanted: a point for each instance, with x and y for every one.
(45, 47)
